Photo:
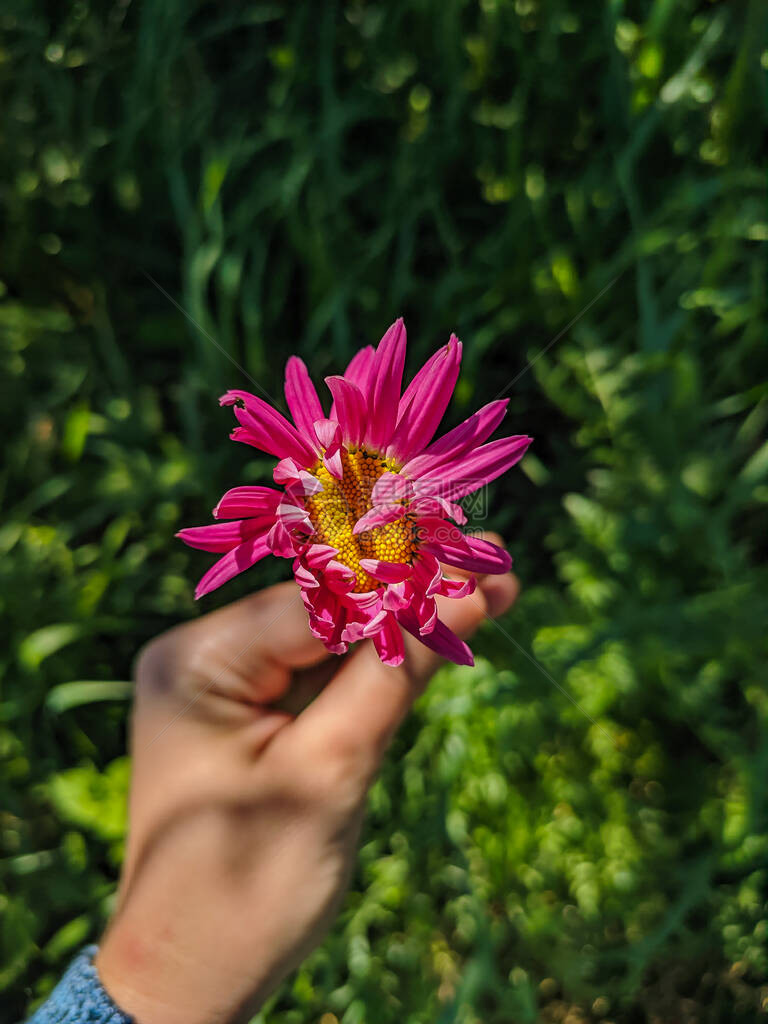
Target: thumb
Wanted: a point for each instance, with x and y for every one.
(248, 650)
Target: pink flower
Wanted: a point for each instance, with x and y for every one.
(365, 501)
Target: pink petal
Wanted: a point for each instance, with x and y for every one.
(360, 615)
(441, 639)
(360, 369)
(294, 517)
(391, 487)
(389, 642)
(468, 435)
(455, 479)
(425, 610)
(378, 517)
(348, 408)
(337, 648)
(321, 604)
(396, 597)
(234, 562)
(475, 555)
(374, 624)
(327, 618)
(387, 377)
(353, 632)
(282, 542)
(317, 556)
(299, 481)
(427, 574)
(437, 506)
(387, 572)
(332, 462)
(339, 577)
(264, 427)
(327, 432)
(247, 501)
(457, 588)
(363, 602)
(224, 536)
(410, 392)
(429, 621)
(435, 530)
(303, 576)
(425, 401)
(301, 396)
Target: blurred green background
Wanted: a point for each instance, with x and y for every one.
(294, 176)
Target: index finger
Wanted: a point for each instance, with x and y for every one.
(359, 710)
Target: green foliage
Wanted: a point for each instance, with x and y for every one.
(578, 829)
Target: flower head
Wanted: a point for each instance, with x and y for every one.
(366, 502)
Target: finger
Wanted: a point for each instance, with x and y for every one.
(494, 595)
(247, 650)
(360, 709)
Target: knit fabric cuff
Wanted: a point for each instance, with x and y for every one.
(80, 998)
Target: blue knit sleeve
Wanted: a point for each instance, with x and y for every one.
(80, 998)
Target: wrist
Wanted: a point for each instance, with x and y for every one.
(158, 979)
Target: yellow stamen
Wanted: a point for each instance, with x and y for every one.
(336, 509)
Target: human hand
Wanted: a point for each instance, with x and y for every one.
(246, 804)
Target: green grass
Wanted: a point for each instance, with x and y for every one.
(294, 176)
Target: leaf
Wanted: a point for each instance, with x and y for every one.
(75, 694)
(757, 466)
(68, 938)
(92, 799)
(37, 646)
(213, 178)
(76, 431)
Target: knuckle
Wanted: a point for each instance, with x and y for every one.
(151, 664)
(343, 773)
(326, 780)
(323, 785)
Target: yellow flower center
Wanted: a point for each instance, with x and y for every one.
(336, 509)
